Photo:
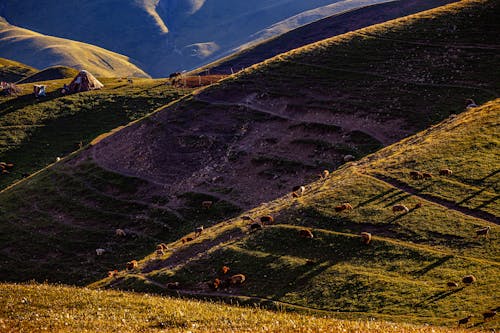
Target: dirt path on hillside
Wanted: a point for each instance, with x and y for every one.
(439, 201)
(347, 122)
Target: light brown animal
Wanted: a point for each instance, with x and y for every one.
(237, 279)
(306, 233)
(120, 233)
(445, 172)
(131, 265)
(400, 208)
(225, 269)
(215, 284)
(344, 206)
(366, 237)
(113, 273)
(325, 174)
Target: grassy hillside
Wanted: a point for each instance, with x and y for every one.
(346, 17)
(36, 131)
(42, 51)
(125, 312)
(402, 272)
(12, 71)
(51, 73)
(249, 139)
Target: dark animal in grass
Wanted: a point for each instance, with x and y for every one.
(445, 172)
(465, 320)
(418, 205)
(174, 75)
(483, 232)
(366, 237)
(131, 265)
(198, 231)
(489, 314)
(255, 226)
(207, 204)
(427, 175)
(469, 279)
(400, 208)
(452, 284)
(306, 233)
(237, 279)
(267, 219)
(343, 207)
(416, 175)
(310, 262)
(186, 239)
(247, 218)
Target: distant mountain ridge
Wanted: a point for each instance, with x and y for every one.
(42, 51)
(167, 35)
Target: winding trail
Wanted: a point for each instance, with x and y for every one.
(439, 201)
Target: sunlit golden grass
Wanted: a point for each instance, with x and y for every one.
(46, 308)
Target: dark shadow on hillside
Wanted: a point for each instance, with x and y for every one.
(26, 100)
(435, 264)
(380, 196)
(440, 295)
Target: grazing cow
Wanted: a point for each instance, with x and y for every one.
(267, 219)
(325, 174)
(225, 269)
(344, 206)
(445, 172)
(120, 233)
(131, 265)
(400, 208)
(465, 320)
(427, 175)
(489, 314)
(366, 237)
(452, 284)
(215, 284)
(306, 233)
(186, 239)
(348, 158)
(418, 205)
(469, 279)
(299, 190)
(198, 231)
(113, 273)
(416, 175)
(237, 279)
(255, 226)
(483, 232)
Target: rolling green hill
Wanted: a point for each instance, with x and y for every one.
(34, 132)
(125, 312)
(345, 19)
(51, 73)
(12, 71)
(21, 44)
(245, 142)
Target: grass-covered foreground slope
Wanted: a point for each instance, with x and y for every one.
(13, 71)
(403, 272)
(37, 308)
(36, 131)
(51, 73)
(42, 51)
